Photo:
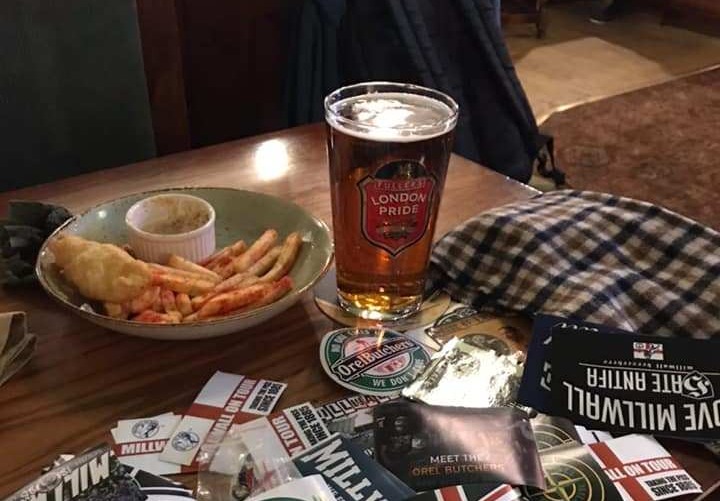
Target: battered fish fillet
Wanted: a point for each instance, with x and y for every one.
(103, 272)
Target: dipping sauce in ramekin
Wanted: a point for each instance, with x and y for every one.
(171, 223)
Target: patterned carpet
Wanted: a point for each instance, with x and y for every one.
(660, 144)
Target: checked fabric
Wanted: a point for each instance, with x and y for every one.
(592, 256)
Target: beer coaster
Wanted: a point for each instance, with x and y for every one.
(326, 300)
(372, 361)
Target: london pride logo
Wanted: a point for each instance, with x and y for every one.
(396, 205)
(372, 361)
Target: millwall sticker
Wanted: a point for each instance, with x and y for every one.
(637, 383)
(372, 361)
(350, 473)
(396, 205)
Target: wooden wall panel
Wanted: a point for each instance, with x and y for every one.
(162, 42)
(235, 54)
(699, 15)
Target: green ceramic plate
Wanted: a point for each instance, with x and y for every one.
(240, 215)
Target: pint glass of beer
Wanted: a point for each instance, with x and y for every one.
(389, 146)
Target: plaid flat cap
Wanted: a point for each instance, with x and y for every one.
(592, 256)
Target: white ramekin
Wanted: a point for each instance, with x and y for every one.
(193, 245)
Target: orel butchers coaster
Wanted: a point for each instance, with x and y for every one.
(636, 383)
(536, 380)
(372, 361)
(429, 447)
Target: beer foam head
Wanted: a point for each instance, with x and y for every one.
(391, 116)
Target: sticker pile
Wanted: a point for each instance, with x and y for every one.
(480, 420)
(99, 475)
(623, 382)
(450, 411)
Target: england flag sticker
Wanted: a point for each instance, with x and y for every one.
(648, 351)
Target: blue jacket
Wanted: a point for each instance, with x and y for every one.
(452, 45)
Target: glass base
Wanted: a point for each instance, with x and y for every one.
(380, 307)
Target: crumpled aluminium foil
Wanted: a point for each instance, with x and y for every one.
(475, 371)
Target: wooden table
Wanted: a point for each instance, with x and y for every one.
(83, 379)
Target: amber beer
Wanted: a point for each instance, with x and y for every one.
(389, 146)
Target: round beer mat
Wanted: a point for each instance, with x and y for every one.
(326, 300)
(372, 361)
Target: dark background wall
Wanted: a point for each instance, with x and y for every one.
(73, 94)
(90, 86)
(215, 68)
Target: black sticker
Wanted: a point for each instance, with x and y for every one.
(637, 383)
(536, 380)
(95, 474)
(429, 447)
(350, 473)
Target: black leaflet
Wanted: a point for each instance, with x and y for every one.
(429, 447)
(647, 384)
